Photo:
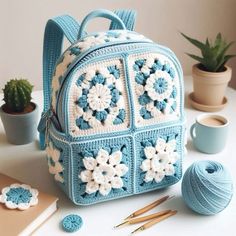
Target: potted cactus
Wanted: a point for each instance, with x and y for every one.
(211, 75)
(19, 115)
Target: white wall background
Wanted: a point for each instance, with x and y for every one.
(22, 25)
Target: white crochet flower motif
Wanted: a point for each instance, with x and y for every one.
(147, 66)
(92, 41)
(99, 97)
(159, 86)
(140, 89)
(159, 160)
(126, 35)
(169, 103)
(19, 196)
(103, 172)
(88, 116)
(102, 37)
(55, 167)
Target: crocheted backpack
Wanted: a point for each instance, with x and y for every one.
(113, 120)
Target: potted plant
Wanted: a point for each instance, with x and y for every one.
(19, 115)
(211, 75)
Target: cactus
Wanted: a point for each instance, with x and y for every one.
(17, 95)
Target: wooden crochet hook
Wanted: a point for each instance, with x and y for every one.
(153, 222)
(148, 207)
(142, 219)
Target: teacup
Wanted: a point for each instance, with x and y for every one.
(209, 133)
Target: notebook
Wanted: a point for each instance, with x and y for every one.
(22, 223)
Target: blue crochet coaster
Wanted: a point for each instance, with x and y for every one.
(72, 223)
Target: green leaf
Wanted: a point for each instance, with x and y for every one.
(195, 42)
(218, 39)
(224, 61)
(197, 58)
(221, 55)
(207, 53)
(227, 57)
(210, 64)
(227, 46)
(219, 48)
(207, 42)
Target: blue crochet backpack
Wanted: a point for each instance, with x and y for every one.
(113, 121)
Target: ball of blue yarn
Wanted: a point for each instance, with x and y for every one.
(207, 187)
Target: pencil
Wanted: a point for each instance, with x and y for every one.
(148, 207)
(142, 219)
(153, 222)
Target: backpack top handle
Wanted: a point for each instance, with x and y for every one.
(101, 13)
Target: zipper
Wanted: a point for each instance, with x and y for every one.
(47, 118)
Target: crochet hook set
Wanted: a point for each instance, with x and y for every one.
(151, 219)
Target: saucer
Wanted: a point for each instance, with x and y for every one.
(206, 108)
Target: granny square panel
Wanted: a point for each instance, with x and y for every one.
(156, 89)
(99, 99)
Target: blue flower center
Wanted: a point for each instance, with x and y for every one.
(160, 85)
(19, 195)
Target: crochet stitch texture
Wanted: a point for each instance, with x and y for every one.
(160, 160)
(72, 223)
(55, 166)
(156, 88)
(19, 196)
(99, 102)
(85, 44)
(117, 117)
(99, 98)
(103, 172)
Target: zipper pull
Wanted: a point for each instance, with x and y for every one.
(43, 127)
(44, 117)
(48, 121)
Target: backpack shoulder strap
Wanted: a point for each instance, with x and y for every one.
(55, 31)
(127, 16)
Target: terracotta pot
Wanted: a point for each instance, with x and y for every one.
(209, 87)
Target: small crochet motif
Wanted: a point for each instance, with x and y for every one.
(99, 99)
(85, 44)
(159, 160)
(156, 88)
(19, 196)
(72, 223)
(103, 172)
(55, 166)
